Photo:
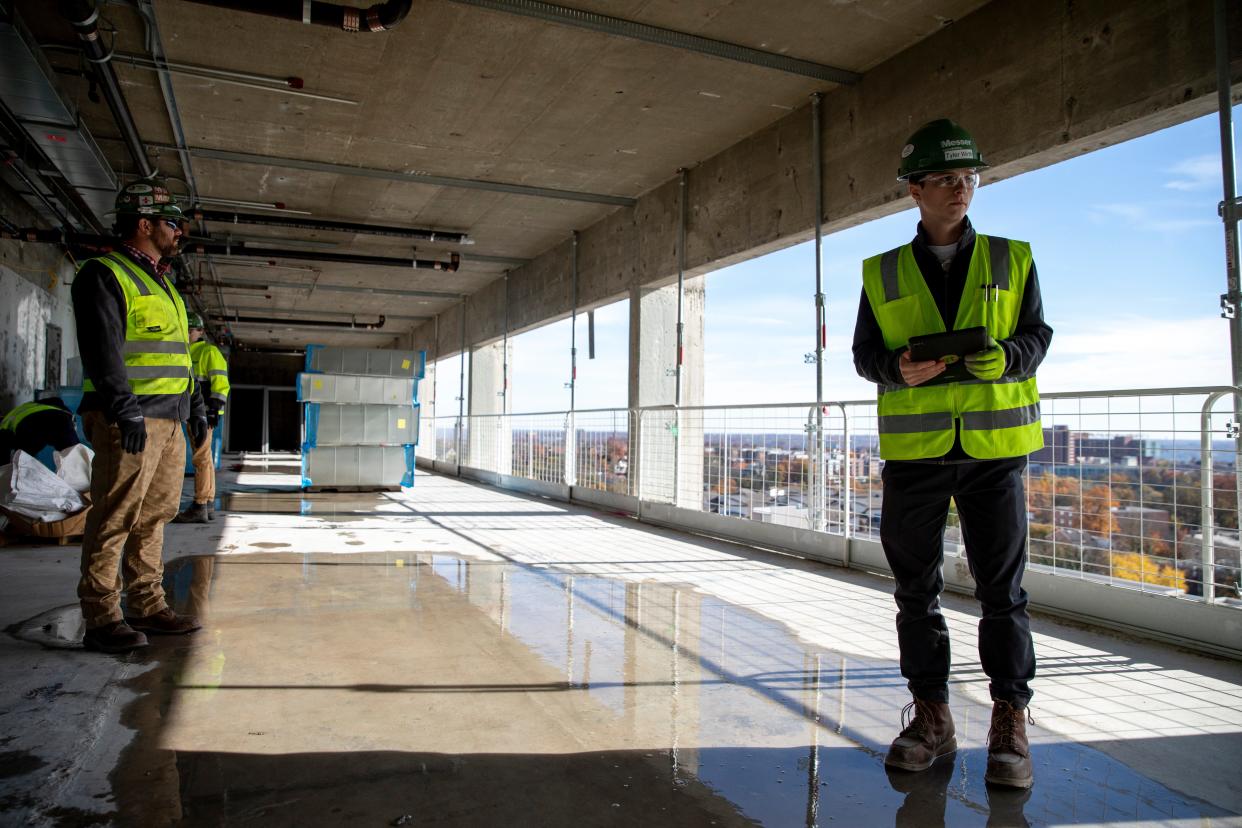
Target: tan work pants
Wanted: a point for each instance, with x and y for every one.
(133, 496)
(204, 473)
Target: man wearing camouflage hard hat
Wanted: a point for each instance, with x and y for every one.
(955, 428)
(139, 389)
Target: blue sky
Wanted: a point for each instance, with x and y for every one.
(1130, 254)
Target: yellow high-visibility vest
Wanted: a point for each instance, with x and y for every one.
(157, 345)
(998, 418)
(14, 418)
(212, 373)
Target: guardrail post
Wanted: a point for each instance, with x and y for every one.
(1207, 514)
(571, 449)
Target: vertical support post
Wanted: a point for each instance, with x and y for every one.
(506, 433)
(461, 390)
(266, 420)
(847, 486)
(1207, 505)
(571, 436)
(1230, 210)
(683, 218)
(818, 465)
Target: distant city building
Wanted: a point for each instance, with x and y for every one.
(1060, 447)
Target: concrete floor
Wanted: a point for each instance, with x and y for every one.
(458, 655)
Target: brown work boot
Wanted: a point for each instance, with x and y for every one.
(926, 737)
(1009, 751)
(196, 513)
(165, 622)
(117, 637)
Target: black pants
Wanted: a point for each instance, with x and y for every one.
(991, 504)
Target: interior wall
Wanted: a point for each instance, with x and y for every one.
(34, 293)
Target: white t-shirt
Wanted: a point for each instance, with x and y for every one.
(945, 253)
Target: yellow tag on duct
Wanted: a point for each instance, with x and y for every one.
(400, 423)
(317, 384)
(405, 363)
(400, 562)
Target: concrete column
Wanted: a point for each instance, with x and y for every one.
(427, 411)
(673, 440)
(489, 435)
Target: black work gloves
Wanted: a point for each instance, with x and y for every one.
(133, 434)
(213, 419)
(198, 430)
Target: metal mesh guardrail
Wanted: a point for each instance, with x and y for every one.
(1136, 489)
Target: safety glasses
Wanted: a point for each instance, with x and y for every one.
(172, 224)
(969, 179)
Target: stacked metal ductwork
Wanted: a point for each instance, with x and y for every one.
(361, 417)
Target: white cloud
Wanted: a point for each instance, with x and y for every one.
(1198, 173)
(1147, 218)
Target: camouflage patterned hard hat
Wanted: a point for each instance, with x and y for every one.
(149, 198)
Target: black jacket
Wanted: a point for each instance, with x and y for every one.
(100, 311)
(1024, 351)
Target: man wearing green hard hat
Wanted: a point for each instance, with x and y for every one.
(951, 330)
(139, 389)
(211, 372)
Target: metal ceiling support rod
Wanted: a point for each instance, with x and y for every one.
(571, 428)
(667, 37)
(819, 466)
(421, 234)
(230, 321)
(262, 83)
(301, 323)
(504, 355)
(682, 219)
(461, 387)
(388, 316)
(242, 249)
(408, 178)
(378, 18)
(84, 17)
(366, 291)
(1231, 301)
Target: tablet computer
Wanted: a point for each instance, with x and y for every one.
(950, 346)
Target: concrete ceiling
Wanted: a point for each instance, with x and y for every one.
(462, 92)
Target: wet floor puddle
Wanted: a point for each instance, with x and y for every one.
(328, 689)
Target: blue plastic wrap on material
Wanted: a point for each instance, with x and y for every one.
(306, 481)
(297, 387)
(312, 426)
(408, 480)
(310, 357)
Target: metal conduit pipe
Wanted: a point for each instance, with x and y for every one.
(301, 323)
(241, 249)
(84, 17)
(232, 217)
(378, 18)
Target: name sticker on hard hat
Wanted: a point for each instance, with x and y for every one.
(958, 155)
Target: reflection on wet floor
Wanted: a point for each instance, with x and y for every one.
(295, 502)
(368, 688)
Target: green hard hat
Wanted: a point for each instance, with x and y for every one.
(939, 145)
(148, 197)
(194, 320)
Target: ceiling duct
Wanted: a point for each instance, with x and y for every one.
(84, 17)
(231, 217)
(298, 323)
(50, 125)
(378, 18)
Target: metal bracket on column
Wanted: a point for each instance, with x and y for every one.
(1230, 211)
(1228, 306)
(1232, 430)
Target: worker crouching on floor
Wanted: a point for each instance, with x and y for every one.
(32, 426)
(963, 436)
(133, 335)
(211, 373)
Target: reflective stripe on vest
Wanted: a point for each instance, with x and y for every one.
(14, 418)
(998, 418)
(212, 373)
(156, 350)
